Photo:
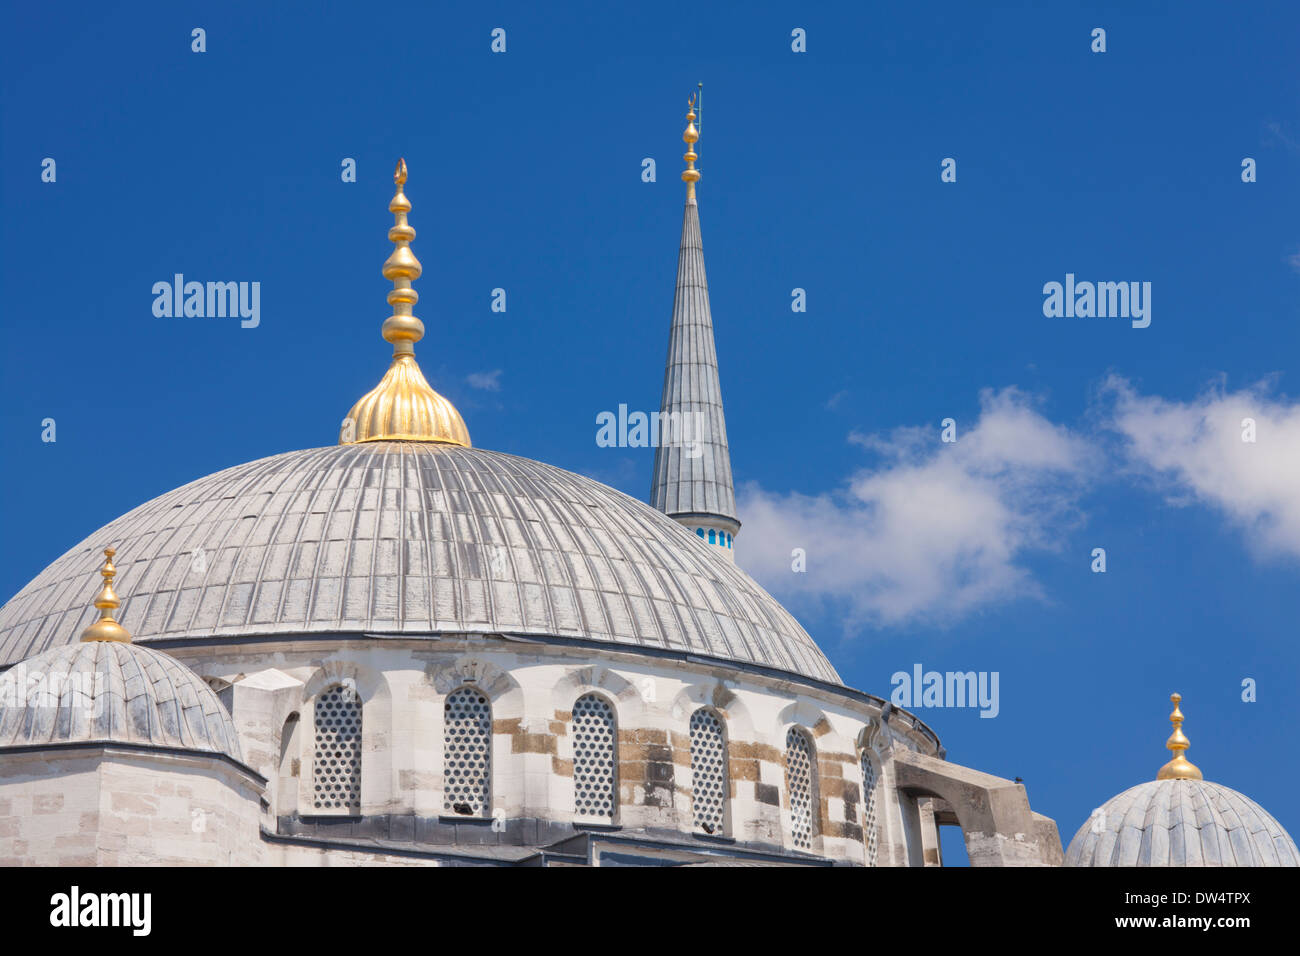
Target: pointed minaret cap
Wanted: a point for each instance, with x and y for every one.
(691, 175)
(403, 406)
(692, 481)
(1179, 768)
(106, 628)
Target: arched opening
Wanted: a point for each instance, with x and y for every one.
(595, 739)
(870, 820)
(952, 844)
(709, 783)
(336, 761)
(467, 753)
(800, 784)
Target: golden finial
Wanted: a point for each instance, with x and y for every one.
(691, 175)
(106, 628)
(403, 407)
(1179, 768)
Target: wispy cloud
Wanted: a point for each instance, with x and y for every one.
(1196, 450)
(1280, 133)
(935, 530)
(486, 381)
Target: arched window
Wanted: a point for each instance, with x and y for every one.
(708, 771)
(712, 536)
(799, 784)
(594, 741)
(336, 765)
(869, 832)
(467, 753)
(700, 532)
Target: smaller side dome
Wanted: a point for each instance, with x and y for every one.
(112, 692)
(108, 690)
(1181, 822)
(1181, 819)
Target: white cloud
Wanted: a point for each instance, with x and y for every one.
(935, 531)
(1280, 133)
(1196, 449)
(487, 381)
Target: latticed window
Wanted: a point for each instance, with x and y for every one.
(869, 807)
(336, 766)
(799, 784)
(594, 742)
(467, 753)
(708, 771)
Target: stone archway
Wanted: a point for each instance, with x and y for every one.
(998, 827)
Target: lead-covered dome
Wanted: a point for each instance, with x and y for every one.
(109, 692)
(1181, 823)
(413, 538)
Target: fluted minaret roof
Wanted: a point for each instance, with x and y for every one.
(692, 478)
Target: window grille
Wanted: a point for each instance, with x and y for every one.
(594, 744)
(799, 784)
(467, 753)
(869, 808)
(336, 767)
(708, 771)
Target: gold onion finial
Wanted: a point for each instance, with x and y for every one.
(403, 406)
(691, 175)
(106, 628)
(1179, 768)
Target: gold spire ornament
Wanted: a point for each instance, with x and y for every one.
(1179, 768)
(106, 628)
(403, 406)
(691, 175)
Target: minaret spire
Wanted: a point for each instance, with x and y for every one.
(692, 468)
(403, 407)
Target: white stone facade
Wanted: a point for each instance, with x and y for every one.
(403, 684)
(117, 805)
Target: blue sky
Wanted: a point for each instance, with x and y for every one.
(820, 171)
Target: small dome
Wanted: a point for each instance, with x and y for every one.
(105, 691)
(1181, 822)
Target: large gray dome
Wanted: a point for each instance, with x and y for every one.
(1181, 823)
(112, 692)
(411, 538)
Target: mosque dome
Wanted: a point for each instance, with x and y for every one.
(415, 538)
(106, 689)
(109, 692)
(1181, 823)
(422, 638)
(1181, 819)
(404, 529)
